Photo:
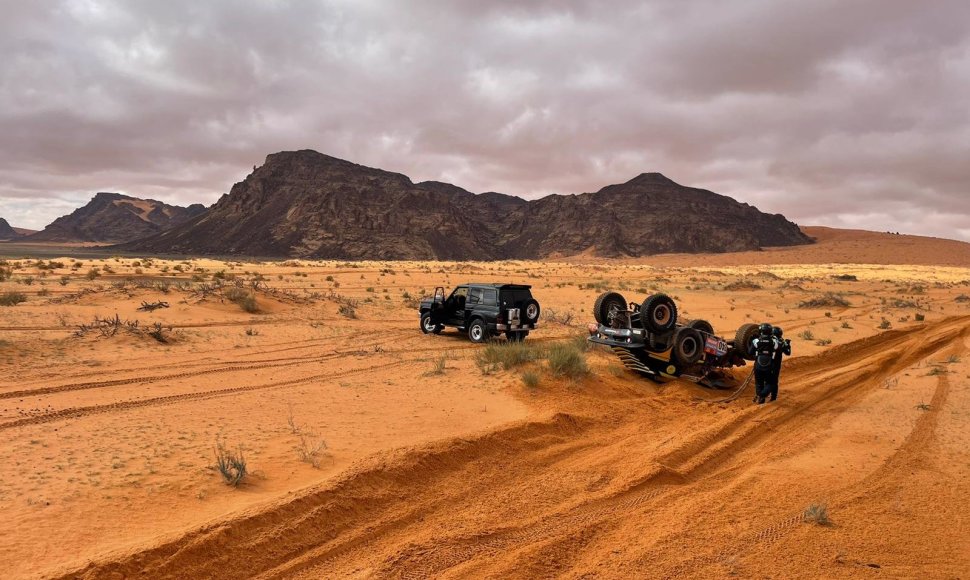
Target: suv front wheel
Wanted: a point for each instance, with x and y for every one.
(477, 331)
(428, 326)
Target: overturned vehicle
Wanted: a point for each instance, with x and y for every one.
(649, 339)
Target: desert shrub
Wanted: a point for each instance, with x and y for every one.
(818, 514)
(347, 308)
(12, 298)
(230, 464)
(506, 355)
(823, 341)
(310, 448)
(846, 277)
(885, 324)
(243, 298)
(919, 317)
(568, 359)
(846, 324)
(827, 300)
(93, 274)
(960, 298)
(530, 379)
(437, 367)
(65, 280)
(806, 335)
(27, 280)
(743, 285)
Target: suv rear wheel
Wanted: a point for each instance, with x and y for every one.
(477, 331)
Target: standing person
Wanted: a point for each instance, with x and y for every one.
(765, 346)
(783, 350)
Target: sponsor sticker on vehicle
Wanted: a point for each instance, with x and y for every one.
(715, 346)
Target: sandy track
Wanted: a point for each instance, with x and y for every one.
(589, 476)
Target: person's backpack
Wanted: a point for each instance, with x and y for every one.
(764, 353)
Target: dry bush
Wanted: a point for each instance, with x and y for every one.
(742, 285)
(530, 379)
(568, 359)
(827, 300)
(12, 298)
(245, 299)
(230, 464)
(506, 356)
(311, 449)
(818, 514)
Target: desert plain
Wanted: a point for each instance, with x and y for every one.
(376, 451)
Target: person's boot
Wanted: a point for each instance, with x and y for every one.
(761, 400)
(773, 399)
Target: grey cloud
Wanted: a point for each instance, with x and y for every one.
(845, 113)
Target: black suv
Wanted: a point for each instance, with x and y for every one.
(482, 310)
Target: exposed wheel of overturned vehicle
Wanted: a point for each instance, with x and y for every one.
(742, 340)
(701, 325)
(688, 345)
(428, 326)
(478, 331)
(658, 313)
(607, 305)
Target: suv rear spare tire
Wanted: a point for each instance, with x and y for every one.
(606, 305)
(658, 313)
(531, 311)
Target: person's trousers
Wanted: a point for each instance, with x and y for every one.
(763, 383)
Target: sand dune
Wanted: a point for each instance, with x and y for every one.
(454, 474)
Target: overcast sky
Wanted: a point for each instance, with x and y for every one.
(843, 113)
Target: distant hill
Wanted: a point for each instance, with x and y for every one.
(7, 232)
(114, 218)
(306, 204)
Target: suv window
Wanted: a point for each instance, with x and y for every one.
(516, 296)
(475, 296)
(490, 297)
(460, 292)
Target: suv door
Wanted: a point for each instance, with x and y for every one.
(474, 302)
(455, 306)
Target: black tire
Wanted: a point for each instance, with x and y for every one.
(742, 340)
(701, 325)
(478, 331)
(530, 311)
(658, 313)
(606, 304)
(688, 345)
(429, 327)
(659, 342)
(517, 336)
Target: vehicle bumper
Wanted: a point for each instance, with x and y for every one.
(625, 337)
(513, 327)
